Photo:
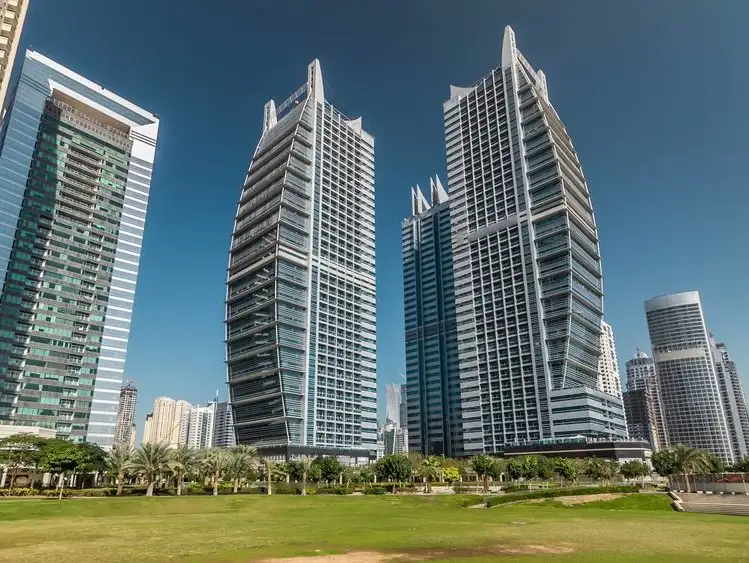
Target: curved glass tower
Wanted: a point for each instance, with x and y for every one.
(300, 313)
(527, 266)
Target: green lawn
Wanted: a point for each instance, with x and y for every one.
(258, 528)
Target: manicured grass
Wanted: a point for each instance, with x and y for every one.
(253, 527)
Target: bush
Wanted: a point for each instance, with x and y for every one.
(335, 490)
(551, 493)
(463, 488)
(375, 490)
(516, 488)
(20, 492)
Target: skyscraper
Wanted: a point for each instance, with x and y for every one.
(527, 265)
(170, 422)
(641, 376)
(641, 423)
(148, 429)
(432, 382)
(200, 426)
(75, 174)
(692, 406)
(733, 398)
(223, 426)
(609, 380)
(125, 414)
(393, 402)
(300, 313)
(12, 18)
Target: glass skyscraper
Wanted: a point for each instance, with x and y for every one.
(300, 313)
(688, 386)
(75, 174)
(641, 376)
(432, 382)
(527, 266)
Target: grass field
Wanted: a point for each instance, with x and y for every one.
(258, 528)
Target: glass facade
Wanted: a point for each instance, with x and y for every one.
(527, 266)
(75, 172)
(300, 317)
(433, 388)
(641, 376)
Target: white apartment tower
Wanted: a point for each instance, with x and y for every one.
(169, 422)
(526, 265)
(733, 397)
(300, 311)
(200, 426)
(609, 380)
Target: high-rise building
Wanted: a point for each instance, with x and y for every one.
(223, 426)
(75, 174)
(639, 411)
(300, 313)
(395, 439)
(133, 443)
(641, 376)
(609, 380)
(689, 393)
(12, 18)
(432, 382)
(170, 422)
(527, 266)
(733, 398)
(125, 414)
(200, 426)
(393, 402)
(148, 429)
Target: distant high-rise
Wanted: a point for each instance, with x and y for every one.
(200, 426)
(527, 266)
(393, 402)
(692, 406)
(12, 18)
(125, 414)
(148, 429)
(641, 376)
(169, 425)
(733, 397)
(641, 423)
(609, 380)
(133, 443)
(223, 426)
(75, 176)
(300, 312)
(395, 439)
(433, 384)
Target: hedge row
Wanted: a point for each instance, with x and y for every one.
(551, 493)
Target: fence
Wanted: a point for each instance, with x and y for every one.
(726, 483)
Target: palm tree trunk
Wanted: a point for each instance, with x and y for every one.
(304, 483)
(216, 477)
(236, 485)
(180, 479)
(61, 484)
(269, 489)
(149, 491)
(686, 481)
(486, 483)
(120, 482)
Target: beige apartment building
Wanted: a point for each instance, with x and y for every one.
(12, 16)
(168, 422)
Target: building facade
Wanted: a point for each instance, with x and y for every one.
(200, 426)
(433, 388)
(148, 429)
(609, 380)
(169, 423)
(733, 398)
(527, 266)
(12, 18)
(393, 403)
(394, 439)
(125, 414)
(638, 409)
(689, 392)
(75, 174)
(223, 426)
(641, 376)
(300, 313)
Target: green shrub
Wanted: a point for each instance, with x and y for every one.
(463, 488)
(551, 493)
(19, 492)
(335, 490)
(375, 490)
(516, 488)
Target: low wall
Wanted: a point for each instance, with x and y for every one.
(723, 483)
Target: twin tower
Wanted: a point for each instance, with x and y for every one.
(502, 281)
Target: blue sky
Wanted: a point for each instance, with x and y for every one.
(652, 93)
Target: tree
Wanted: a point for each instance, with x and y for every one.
(119, 463)
(595, 469)
(451, 474)
(429, 470)
(714, 463)
(295, 470)
(180, 462)
(742, 465)
(305, 464)
(330, 468)
(690, 460)
(214, 461)
(61, 457)
(482, 464)
(664, 462)
(633, 469)
(242, 459)
(269, 468)
(499, 468)
(515, 468)
(566, 469)
(545, 468)
(20, 451)
(150, 461)
(396, 468)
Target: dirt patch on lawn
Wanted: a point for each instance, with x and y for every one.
(582, 499)
(425, 554)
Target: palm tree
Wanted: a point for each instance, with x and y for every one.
(150, 461)
(271, 468)
(242, 459)
(430, 469)
(119, 463)
(690, 460)
(180, 462)
(214, 462)
(306, 463)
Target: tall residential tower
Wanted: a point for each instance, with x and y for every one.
(609, 380)
(300, 312)
(733, 397)
(12, 18)
(527, 266)
(689, 392)
(641, 376)
(75, 175)
(432, 382)
(126, 414)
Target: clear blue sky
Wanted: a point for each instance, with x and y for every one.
(654, 95)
